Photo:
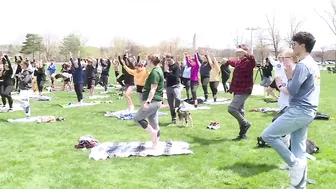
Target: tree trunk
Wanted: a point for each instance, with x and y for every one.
(33, 54)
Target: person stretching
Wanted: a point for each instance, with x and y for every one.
(78, 80)
(40, 75)
(194, 80)
(52, 72)
(152, 99)
(140, 74)
(91, 75)
(7, 85)
(128, 81)
(214, 75)
(25, 86)
(205, 75)
(304, 88)
(225, 72)
(106, 65)
(172, 74)
(18, 70)
(241, 87)
(185, 78)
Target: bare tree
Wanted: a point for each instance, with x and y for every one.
(50, 46)
(330, 17)
(322, 53)
(238, 39)
(274, 34)
(261, 45)
(295, 25)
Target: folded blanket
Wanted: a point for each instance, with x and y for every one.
(73, 105)
(265, 110)
(126, 115)
(142, 149)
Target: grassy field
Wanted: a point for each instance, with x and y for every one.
(41, 156)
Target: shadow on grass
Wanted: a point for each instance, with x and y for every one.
(205, 141)
(249, 169)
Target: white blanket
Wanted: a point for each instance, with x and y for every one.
(126, 149)
(218, 101)
(126, 114)
(185, 106)
(98, 96)
(74, 105)
(41, 98)
(23, 120)
(16, 107)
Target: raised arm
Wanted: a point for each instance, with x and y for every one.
(9, 63)
(272, 61)
(199, 58)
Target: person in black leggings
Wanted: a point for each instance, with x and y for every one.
(205, 75)
(6, 83)
(225, 71)
(78, 80)
(91, 75)
(40, 76)
(18, 70)
(106, 64)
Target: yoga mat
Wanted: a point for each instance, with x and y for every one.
(16, 107)
(185, 106)
(141, 149)
(41, 98)
(23, 120)
(74, 105)
(258, 90)
(126, 115)
(219, 101)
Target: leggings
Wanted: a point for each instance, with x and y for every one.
(224, 80)
(213, 87)
(40, 84)
(121, 79)
(205, 82)
(194, 87)
(5, 92)
(151, 114)
(16, 82)
(186, 83)
(79, 91)
(104, 80)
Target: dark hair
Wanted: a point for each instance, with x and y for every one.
(267, 60)
(305, 38)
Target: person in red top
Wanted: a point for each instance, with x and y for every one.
(241, 86)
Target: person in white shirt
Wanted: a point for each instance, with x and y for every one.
(279, 71)
(186, 77)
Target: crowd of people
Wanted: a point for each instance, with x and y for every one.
(297, 78)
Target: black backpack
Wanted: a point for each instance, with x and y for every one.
(311, 148)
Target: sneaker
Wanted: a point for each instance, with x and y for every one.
(240, 137)
(216, 126)
(210, 125)
(297, 172)
(215, 99)
(27, 117)
(10, 110)
(284, 167)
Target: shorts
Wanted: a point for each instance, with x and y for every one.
(116, 73)
(266, 81)
(273, 85)
(91, 82)
(139, 88)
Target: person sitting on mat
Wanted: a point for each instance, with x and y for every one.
(6, 82)
(40, 76)
(140, 74)
(152, 99)
(194, 80)
(214, 75)
(78, 80)
(25, 85)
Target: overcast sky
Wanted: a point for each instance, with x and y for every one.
(147, 22)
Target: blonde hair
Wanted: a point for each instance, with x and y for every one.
(289, 53)
(154, 58)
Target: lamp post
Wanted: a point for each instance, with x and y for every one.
(251, 30)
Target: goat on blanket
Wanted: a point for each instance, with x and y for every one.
(184, 116)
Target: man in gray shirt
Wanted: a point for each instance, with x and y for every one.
(304, 89)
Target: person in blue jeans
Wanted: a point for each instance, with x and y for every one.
(304, 89)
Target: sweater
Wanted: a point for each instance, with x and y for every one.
(6, 77)
(140, 76)
(172, 75)
(25, 80)
(215, 71)
(195, 67)
(77, 73)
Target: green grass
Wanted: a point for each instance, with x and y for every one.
(43, 155)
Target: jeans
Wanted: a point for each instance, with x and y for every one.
(237, 110)
(294, 121)
(174, 99)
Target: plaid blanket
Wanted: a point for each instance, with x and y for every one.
(126, 115)
(141, 149)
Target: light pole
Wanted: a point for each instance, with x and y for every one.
(251, 30)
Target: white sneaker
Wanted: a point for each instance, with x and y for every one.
(297, 171)
(284, 167)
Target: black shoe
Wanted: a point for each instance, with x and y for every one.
(10, 110)
(240, 137)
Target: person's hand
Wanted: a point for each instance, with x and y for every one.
(145, 106)
(278, 81)
(289, 70)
